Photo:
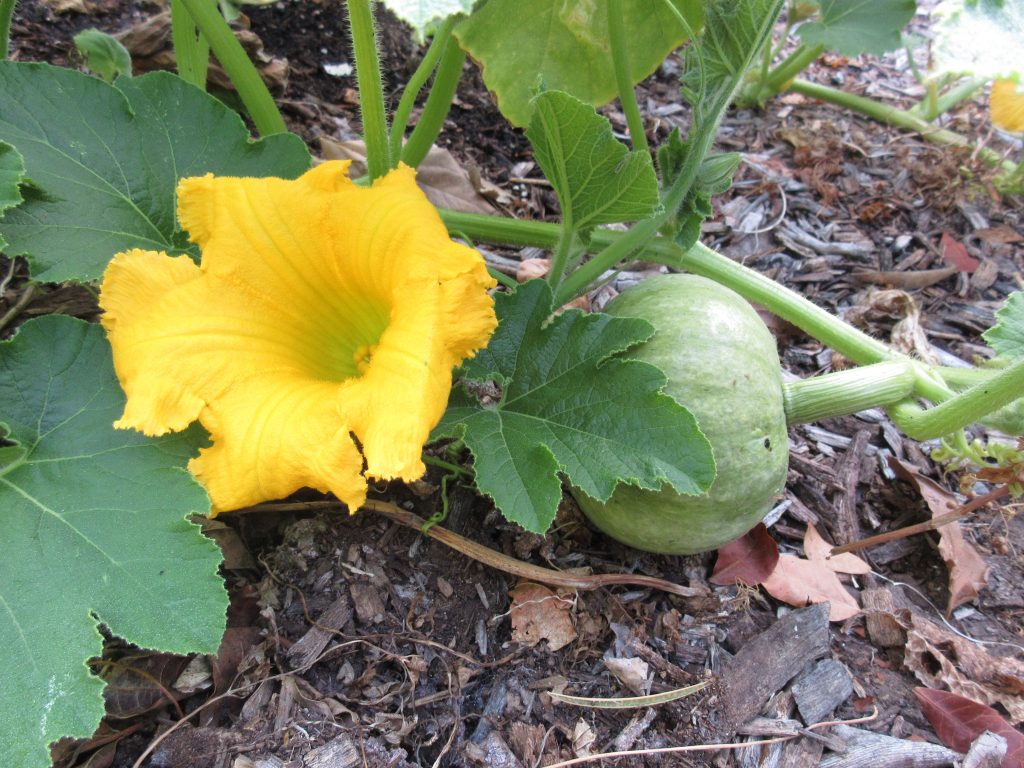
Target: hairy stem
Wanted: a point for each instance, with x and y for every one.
(233, 58)
(6, 14)
(846, 392)
(431, 121)
(623, 78)
(371, 90)
(419, 78)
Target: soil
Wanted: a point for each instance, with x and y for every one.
(418, 662)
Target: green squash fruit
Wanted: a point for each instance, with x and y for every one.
(721, 364)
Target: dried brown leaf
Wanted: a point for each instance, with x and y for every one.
(445, 183)
(800, 582)
(968, 572)
(748, 560)
(956, 254)
(816, 548)
(540, 614)
(958, 721)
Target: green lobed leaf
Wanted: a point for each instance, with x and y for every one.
(421, 14)
(104, 54)
(12, 173)
(853, 27)
(597, 179)
(569, 405)
(979, 37)
(564, 45)
(103, 162)
(1006, 337)
(95, 532)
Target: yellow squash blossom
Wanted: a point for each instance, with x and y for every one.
(1006, 104)
(316, 339)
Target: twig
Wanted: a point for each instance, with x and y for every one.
(508, 564)
(23, 300)
(929, 525)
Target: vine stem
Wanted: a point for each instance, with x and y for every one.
(233, 58)
(6, 14)
(419, 78)
(371, 89)
(431, 121)
(191, 49)
(899, 118)
(623, 77)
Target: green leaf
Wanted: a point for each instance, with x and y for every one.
(1006, 337)
(104, 54)
(597, 179)
(12, 173)
(979, 37)
(564, 45)
(714, 177)
(104, 162)
(569, 405)
(421, 14)
(95, 532)
(853, 27)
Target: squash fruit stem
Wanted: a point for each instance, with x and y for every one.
(845, 392)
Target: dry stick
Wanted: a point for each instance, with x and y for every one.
(508, 564)
(930, 525)
(708, 747)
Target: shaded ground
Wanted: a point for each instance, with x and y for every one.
(392, 649)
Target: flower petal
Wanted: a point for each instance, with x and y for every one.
(1007, 104)
(273, 435)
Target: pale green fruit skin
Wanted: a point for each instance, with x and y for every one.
(721, 364)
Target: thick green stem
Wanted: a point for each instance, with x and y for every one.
(897, 117)
(431, 121)
(772, 83)
(944, 102)
(6, 14)
(846, 392)
(371, 89)
(966, 408)
(623, 77)
(232, 57)
(415, 85)
(191, 50)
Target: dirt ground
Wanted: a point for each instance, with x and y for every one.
(356, 641)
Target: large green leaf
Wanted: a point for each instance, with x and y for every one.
(597, 179)
(419, 14)
(569, 405)
(1007, 336)
(853, 27)
(104, 162)
(564, 46)
(979, 37)
(94, 532)
(12, 173)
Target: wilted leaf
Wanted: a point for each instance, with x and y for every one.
(137, 684)
(958, 721)
(539, 614)
(942, 659)
(816, 548)
(968, 572)
(748, 560)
